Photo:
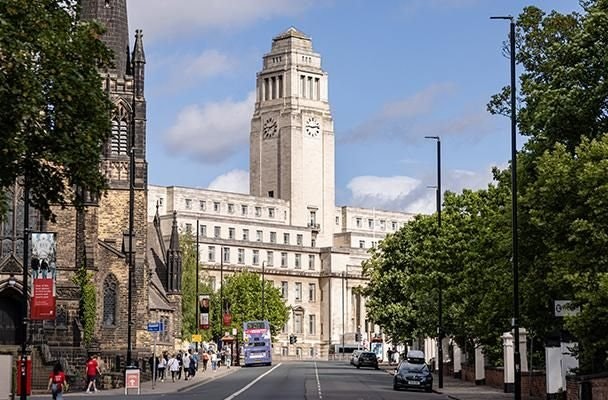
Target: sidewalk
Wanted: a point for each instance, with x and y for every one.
(161, 387)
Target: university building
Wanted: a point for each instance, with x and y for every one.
(289, 224)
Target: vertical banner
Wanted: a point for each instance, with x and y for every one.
(203, 311)
(44, 274)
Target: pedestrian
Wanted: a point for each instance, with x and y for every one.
(205, 360)
(227, 357)
(180, 364)
(186, 363)
(193, 363)
(213, 361)
(389, 352)
(173, 366)
(57, 382)
(92, 368)
(162, 364)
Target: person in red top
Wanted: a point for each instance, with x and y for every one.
(92, 371)
(57, 382)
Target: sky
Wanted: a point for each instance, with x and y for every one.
(398, 70)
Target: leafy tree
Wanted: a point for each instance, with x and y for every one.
(187, 245)
(54, 115)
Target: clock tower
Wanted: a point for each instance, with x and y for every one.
(292, 135)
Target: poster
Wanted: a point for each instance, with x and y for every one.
(203, 311)
(44, 275)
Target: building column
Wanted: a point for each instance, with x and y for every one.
(509, 372)
(457, 361)
(480, 366)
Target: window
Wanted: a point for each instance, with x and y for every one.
(211, 253)
(382, 224)
(286, 238)
(311, 261)
(119, 144)
(258, 236)
(258, 211)
(374, 243)
(188, 204)
(109, 300)
(283, 259)
(203, 230)
(299, 239)
(312, 292)
(217, 232)
(231, 233)
(361, 244)
(256, 257)
(310, 88)
(61, 318)
(216, 206)
(284, 289)
(318, 88)
(270, 258)
(358, 222)
(226, 254)
(202, 204)
(245, 234)
(270, 212)
(312, 322)
(230, 208)
(188, 228)
(303, 86)
(370, 223)
(313, 219)
(244, 209)
(394, 225)
(313, 242)
(273, 237)
(241, 256)
(271, 193)
(161, 200)
(297, 322)
(298, 291)
(337, 220)
(298, 261)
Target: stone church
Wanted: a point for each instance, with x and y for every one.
(97, 237)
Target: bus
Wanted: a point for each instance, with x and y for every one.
(257, 343)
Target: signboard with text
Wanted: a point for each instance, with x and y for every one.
(43, 268)
(131, 380)
(203, 311)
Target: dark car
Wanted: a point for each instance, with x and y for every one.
(366, 359)
(409, 375)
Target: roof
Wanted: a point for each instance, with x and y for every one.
(291, 32)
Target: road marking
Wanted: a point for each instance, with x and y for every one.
(318, 382)
(253, 382)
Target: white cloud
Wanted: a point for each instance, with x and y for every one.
(404, 193)
(185, 70)
(211, 132)
(169, 19)
(236, 181)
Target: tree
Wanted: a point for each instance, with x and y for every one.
(54, 117)
(187, 245)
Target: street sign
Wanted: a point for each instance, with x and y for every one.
(562, 308)
(155, 327)
(197, 338)
(131, 380)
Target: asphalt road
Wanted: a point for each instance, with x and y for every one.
(309, 380)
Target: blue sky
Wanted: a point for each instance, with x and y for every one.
(398, 70)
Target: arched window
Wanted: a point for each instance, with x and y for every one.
(120, 132)
(109, 300)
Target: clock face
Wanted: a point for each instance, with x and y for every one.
(313, 127)
(269, 128)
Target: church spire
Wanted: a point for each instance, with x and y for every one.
(112, 14)
(174, 260)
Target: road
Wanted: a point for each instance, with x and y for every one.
(309, 380)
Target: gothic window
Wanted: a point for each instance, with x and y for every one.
(120, 132)
(109, 300)
(11, 223)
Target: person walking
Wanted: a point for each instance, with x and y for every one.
(92, 368)
(173, 366)
(180, 361)
(205, 360)
(162, 364)
(227, 357)
(57, 382)
(186, 363)
(214, 361)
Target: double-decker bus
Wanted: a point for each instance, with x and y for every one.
(257, 343)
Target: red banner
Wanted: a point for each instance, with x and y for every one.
(43, 299)
(203, 311)
(227, 319)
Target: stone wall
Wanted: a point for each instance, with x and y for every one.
(597, 384)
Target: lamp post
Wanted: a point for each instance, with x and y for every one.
(196, 307)
(26, 250)
(439, 283)
(130, 254)
(221, 290)
(263, 284)
(515, 248)
(343, 299)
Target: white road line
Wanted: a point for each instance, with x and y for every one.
(253, 382)
(318, 382)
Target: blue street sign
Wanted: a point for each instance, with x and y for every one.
(154, 326)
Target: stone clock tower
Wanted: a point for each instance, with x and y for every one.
(292, 135)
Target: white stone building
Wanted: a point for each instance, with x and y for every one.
(311, 249)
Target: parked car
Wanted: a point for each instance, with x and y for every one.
(366, 359)
(413, 375)
(354, 356)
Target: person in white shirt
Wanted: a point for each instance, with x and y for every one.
(173, 365)
(186, 362)
(213, 361)
(162, 364)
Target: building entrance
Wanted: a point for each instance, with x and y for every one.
(11, 317)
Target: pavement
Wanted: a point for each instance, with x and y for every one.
(159, 387)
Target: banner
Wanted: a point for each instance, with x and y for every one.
(203, 311)
(44, 275)
(227, 319)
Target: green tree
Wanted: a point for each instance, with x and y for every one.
(187, 244)
(54, 117)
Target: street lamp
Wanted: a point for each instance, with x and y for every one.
(26, 250)
(196, 307)
(439, 287)
(130, 253)
(515, 248)
(343, 299)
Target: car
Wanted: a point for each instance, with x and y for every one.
(413, 375)
(354, 356)
(366, 359)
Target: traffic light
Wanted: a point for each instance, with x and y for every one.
(357, 337)
(295, 339)
(292, 339)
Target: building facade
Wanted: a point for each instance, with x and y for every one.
(311, 250)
